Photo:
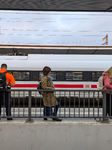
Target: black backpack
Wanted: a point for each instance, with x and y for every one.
(3, 86)
(39, 88)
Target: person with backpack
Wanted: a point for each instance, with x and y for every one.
(108, 86)
(6, 81)
(49, 99)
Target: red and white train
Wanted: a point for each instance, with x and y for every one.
(68, 71)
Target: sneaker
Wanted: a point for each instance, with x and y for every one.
(45, 119)
(56, 119)
(9, 119)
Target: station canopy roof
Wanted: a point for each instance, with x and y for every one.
(40, 49)
(57, 5)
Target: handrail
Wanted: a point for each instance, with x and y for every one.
(73, 104)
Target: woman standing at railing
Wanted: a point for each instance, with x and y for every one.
(108, 86)
(49, 99)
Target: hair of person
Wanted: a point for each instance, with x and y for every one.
(109, 72)
(4, 66)
(46, 70)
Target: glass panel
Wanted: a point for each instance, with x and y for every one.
(87, 76)
(74, 76)
(21, 75)
(61, 76)
(40, 75)
(96, 75)
(34, 76)
(52, 75)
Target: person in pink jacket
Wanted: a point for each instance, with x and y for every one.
(108, 86)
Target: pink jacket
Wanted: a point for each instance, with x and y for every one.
(107, 82)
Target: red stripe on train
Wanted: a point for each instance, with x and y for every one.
(56, 86)
(25, 86)
(68, 86)
(93, 86)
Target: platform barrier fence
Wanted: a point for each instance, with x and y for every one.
(73, 104)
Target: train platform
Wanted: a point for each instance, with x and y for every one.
(50, 121)
(78, 133)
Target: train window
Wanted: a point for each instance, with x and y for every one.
(52, 75)
(21, 75)
(40, 75)
(74, 76)
(61, 76)
(96, 75)
(87, 75)
(34, 76)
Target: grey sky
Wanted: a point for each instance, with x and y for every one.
(55, 28)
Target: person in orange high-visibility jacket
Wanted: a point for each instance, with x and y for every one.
(10, 81)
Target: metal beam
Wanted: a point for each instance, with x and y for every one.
(57, 5)
(53, 47)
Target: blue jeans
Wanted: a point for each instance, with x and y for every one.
(48, 110)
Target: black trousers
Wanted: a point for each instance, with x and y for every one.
(109, 104)
(5, 97)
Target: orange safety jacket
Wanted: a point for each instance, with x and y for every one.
(9, 77)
